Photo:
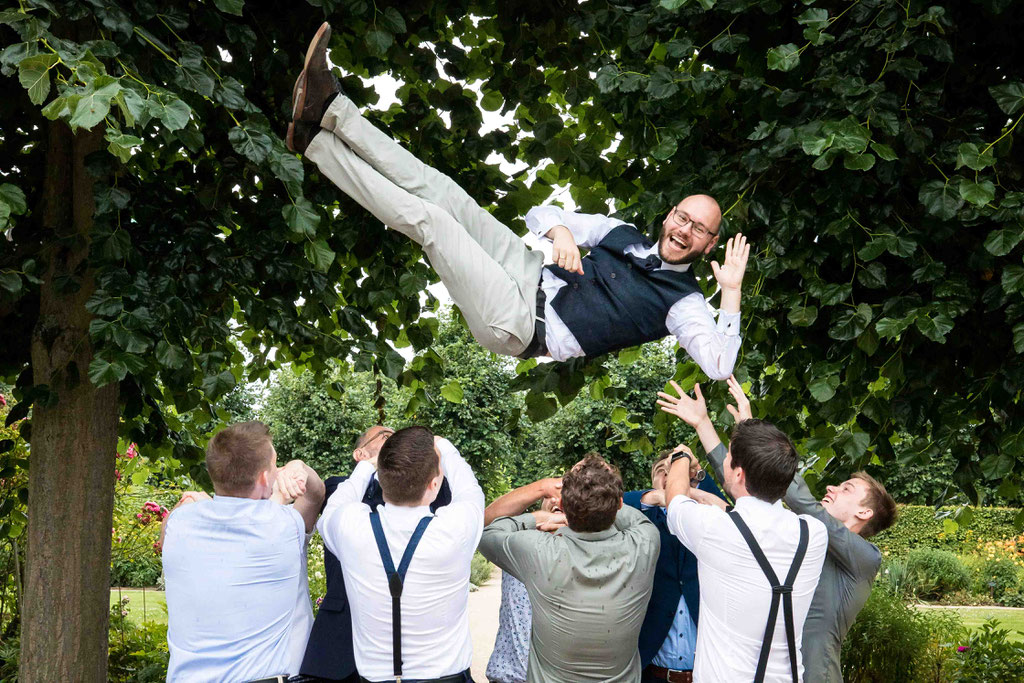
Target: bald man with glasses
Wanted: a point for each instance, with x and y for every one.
(626, 291)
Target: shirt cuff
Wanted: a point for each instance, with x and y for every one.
(526, 521)
(540, 219)
(729, 324)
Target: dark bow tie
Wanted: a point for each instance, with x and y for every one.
(652, 262)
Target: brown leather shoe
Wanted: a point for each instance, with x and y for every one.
(316, 84)
(300, 134)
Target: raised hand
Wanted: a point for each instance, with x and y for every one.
(550, 521)
(741, 411)
(707, 498)
(291, 481)
(730, 274)
(690, 410)
(564, 251)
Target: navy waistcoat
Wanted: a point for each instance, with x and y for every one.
(617, 303)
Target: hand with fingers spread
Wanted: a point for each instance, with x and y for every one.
(741, 411)
(730, 273)
(692, 411)
(564, 251)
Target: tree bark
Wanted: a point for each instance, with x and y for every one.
(65, 613)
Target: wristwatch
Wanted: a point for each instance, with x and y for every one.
(680, 454)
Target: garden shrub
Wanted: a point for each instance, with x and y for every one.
(138, 652)
(479, 570)
(917, 527)
(988, 656)
(934, 573)
(997, 576)
(892, 641)
(1012, 599)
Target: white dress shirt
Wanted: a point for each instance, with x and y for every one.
(435, 622)
(237, 591)
(735, 595)
(713, 345)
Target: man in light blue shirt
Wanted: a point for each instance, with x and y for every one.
(238, 604)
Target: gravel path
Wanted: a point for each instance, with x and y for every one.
(483, 622)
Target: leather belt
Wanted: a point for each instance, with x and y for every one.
(538, 345)
(460, 677)
(272, 679)
(670, 675)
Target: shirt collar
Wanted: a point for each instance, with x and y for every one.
(405, 514)
(589, 535)
(653, 249)
(756, 504)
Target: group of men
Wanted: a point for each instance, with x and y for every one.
(665, 584)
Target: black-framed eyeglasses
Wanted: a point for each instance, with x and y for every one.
(682, 220)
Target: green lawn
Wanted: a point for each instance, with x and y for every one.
(1010, 619)
(155, 604)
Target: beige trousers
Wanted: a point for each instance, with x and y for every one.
(491, 274)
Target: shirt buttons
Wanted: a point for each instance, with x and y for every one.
(575, 285)
(613, 276)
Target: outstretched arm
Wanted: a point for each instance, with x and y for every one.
(516, 501)
(730, 273)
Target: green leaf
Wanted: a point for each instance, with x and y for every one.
(940, 199)
(673, 4)
(169, 355)
(251, 143)
(763, 130)
(997, 465)
(34, 74)
(935, 328)
(824, 388)
(10, 281)
(850, 324)
(301, 217)
(884, 152)
(1009, 96)
(540, 407)
(94, 105)
(175, 114)
(492, 100)
(630, 355)
(784, 57)
(998, 242)
(393, 21)
(217, 385)
(320, 254)
(14, 198)
(803, 316)
(379, 41)
(1013, 279)
(618, 414)
(286, 166)
(892, 327)
(856, 444)
(103, 372)
(978, 194)
(665, 149)
(230, 6)
(1018, 338)
(968, 155)
(452, 391)
(814, 17)
(859, 162)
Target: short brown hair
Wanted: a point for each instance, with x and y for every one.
(881, 504)
(591, 494)
(236, 455)
(406, 464)
(767, 457)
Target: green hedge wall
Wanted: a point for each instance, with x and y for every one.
(917, 527)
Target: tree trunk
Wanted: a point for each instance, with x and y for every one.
(65, 613)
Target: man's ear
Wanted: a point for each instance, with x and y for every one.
(864, 514)
(711, 245)
(620, 503)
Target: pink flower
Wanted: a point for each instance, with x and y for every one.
(132, 451)
(963, 648)
(3, 401)
(150, 506)
(117, 474)
(164, 512)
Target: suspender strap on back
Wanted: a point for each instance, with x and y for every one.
(781, 592)
(396, 580)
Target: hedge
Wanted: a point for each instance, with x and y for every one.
(917, 527)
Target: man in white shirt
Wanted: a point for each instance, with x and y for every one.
(238, 604)
(433, 637)
(626, 291)
(749, 629)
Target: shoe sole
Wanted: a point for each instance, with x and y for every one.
(299, 92)
(289, 139)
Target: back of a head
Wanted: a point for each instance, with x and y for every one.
(406, 465)
(882, 505)
(236, 455)
(767, 457)
(591, 494)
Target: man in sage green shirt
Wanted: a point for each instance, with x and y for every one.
(852, 512)
(589, 581)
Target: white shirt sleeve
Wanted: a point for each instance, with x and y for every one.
(713, 345)
(466, 511)
(689, 521)
(349, 491)
(588, 229)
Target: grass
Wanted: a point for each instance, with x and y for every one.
(1010, 619)
(155, 604)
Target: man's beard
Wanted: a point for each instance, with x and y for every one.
(689, 258)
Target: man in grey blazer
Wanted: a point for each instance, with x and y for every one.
(852, 512)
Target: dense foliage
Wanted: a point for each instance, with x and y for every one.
(917, 526)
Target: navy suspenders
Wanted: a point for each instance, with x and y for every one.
(780, 591)
(396, 580)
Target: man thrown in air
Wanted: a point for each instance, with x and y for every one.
(626, 291)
